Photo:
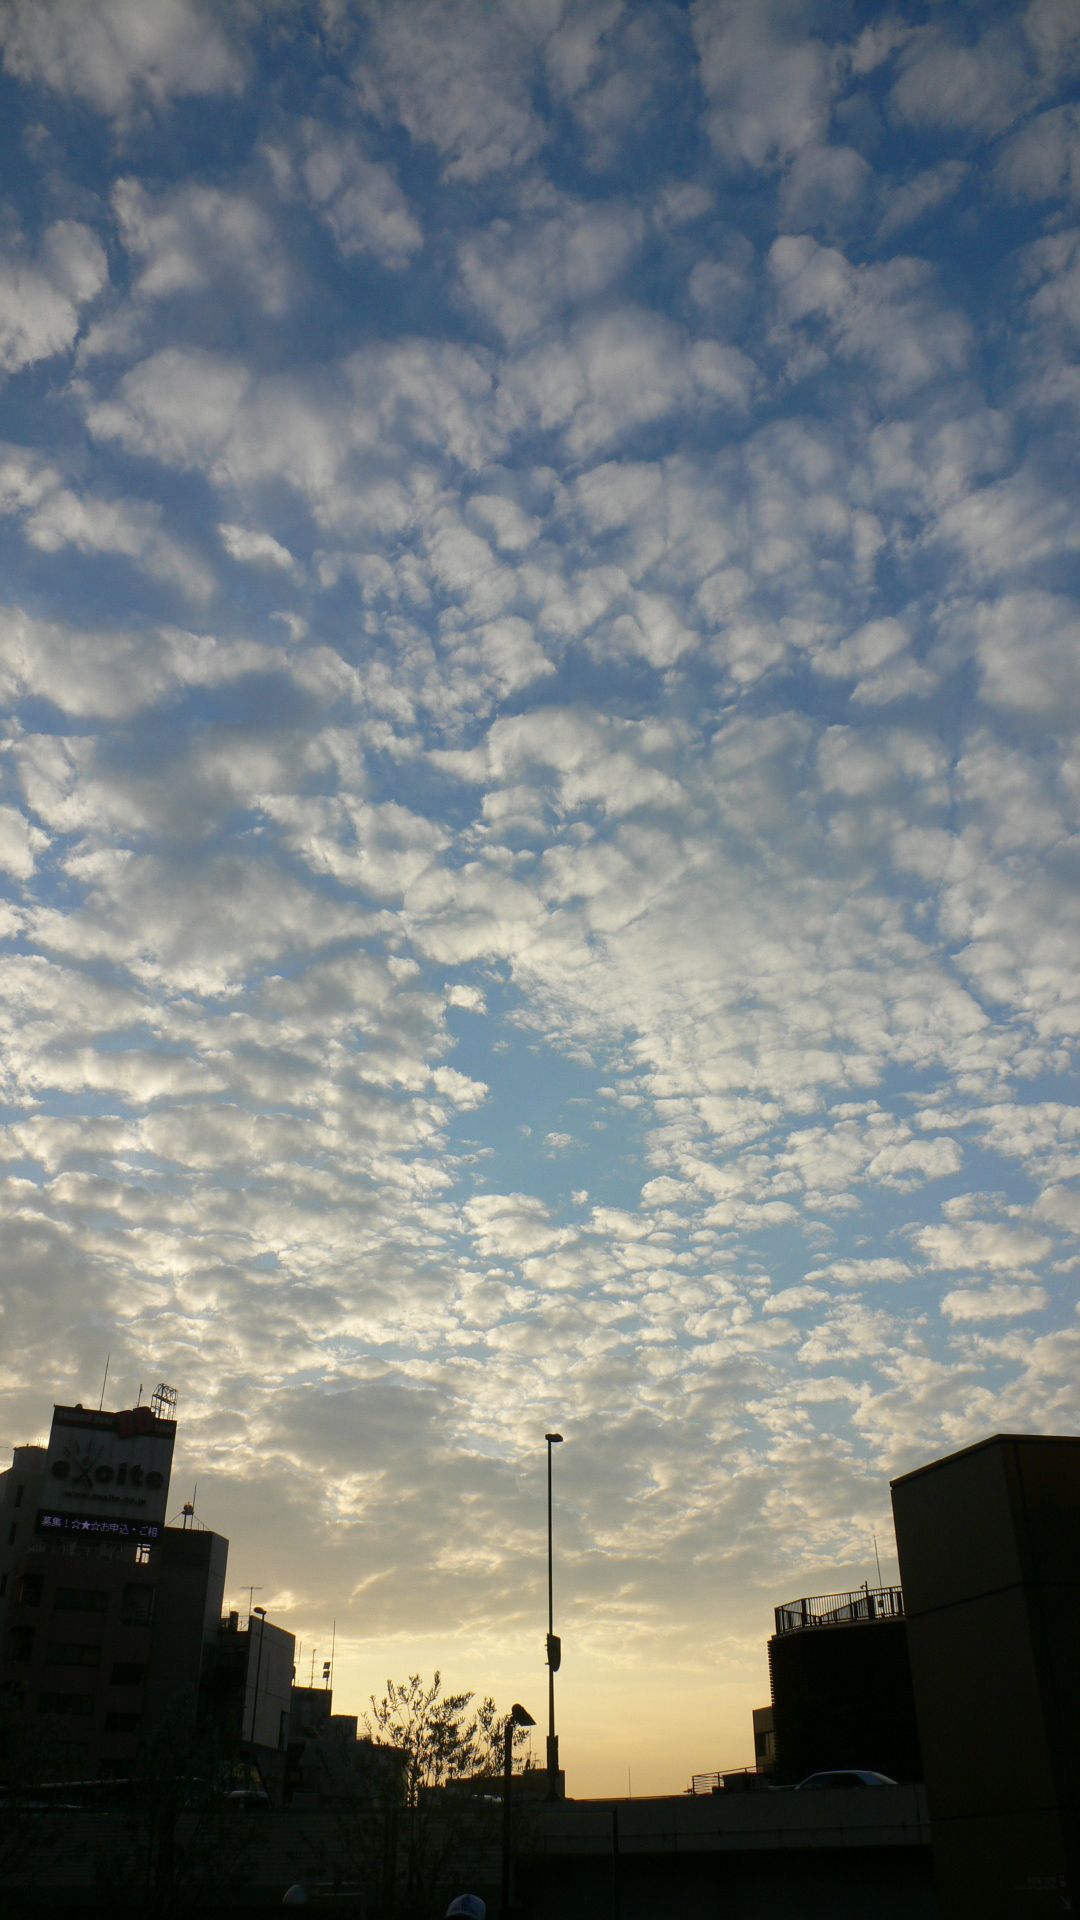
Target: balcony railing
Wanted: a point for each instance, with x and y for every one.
(841, 1609)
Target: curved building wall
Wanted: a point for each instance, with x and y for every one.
(842, 1697)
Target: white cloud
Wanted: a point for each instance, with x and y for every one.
(42, 295)
(999, 1302)
(254, 548)
(794, 1299)
(990, 1244)
(511, 1226)
(877, 43)
(1042, 160)
(768, 96)
(119, 51)
(458, 78)
(20, 843)
(504, 520)
(613, 67)
(1009, 528)
(201, 240)
(206, 411)
(459, 1089)
(112, 673)
(866, 1272)
(884, 313)
(824, 188)
(55, 515)
(883, 1151)
(907, 201)
(1053, 266)
(879, 659)
(616, 374)
(230, 919)
(1026, 648)
(360, 200)
(980, 87)
(518, 277)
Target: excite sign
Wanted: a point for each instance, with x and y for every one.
(102, 1465)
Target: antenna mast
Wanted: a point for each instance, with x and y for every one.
(163, 1401)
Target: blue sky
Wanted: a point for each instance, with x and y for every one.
(539, 797)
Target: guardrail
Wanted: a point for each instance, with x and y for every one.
(840, 1609)
(729, 1780)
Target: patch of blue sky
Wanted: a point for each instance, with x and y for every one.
(544, 1127)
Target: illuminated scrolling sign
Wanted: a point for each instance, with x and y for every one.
(143, 1531)
(108, 1466)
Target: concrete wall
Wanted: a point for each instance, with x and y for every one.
(792, 1856)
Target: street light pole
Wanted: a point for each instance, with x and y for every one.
(261, 1611)
(518, 1716)
(554, 1646)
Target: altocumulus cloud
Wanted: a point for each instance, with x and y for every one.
(539, 796)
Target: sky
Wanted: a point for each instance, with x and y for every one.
(538, 828)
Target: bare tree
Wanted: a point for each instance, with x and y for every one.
(450, 1749)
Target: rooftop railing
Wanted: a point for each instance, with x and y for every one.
(841, 1609)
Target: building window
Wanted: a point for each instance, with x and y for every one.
(73, 1705)
(12, 1531)
(18, 1494)
(3, 1585)
(28, 1590)
(142, 1554)
(81, 1600)
(138, 1606)
(122, 1722)
(18, 1644)
(128, 1673)
(71, 1653)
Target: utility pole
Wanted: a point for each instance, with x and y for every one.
(554, 1645)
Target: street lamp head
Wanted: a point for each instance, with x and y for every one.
(261, 1611)
(521, 1716)
(552, 1438)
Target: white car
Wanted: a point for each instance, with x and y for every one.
(846, 1777)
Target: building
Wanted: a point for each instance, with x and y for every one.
(247, 1683)
(764, 1739)
(82, 1521)
(188, 1604)
(841, 1686)
(111, 1629)
(989, 1547)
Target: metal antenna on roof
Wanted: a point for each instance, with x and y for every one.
(104, 1377)
(163, 1401)
(878, 1559)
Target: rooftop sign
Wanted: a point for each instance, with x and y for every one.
(108, 1465)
